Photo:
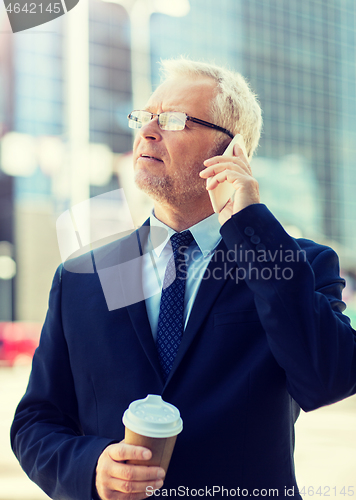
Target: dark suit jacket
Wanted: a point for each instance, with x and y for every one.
(265, 335)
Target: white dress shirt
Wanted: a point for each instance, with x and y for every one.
(206, 238)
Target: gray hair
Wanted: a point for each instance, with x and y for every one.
(235, 106)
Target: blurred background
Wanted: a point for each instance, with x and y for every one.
(66, 88)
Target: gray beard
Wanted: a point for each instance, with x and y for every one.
(177, 189)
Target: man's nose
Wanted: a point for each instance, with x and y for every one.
(151, 131)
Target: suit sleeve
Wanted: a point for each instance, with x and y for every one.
(46, 434)
(297, 290)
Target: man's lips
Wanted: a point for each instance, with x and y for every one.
(149, 157)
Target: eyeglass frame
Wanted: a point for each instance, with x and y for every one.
(187, 117)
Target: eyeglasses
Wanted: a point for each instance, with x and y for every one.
(170, 120)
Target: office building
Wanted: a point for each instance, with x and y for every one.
(299, 57)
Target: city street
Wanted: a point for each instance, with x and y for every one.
(325, 452)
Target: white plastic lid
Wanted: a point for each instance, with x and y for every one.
(153, 417)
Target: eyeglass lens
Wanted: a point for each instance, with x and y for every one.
(174, 120)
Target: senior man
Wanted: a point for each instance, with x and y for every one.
(258, 334)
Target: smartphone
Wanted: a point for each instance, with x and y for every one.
(224, 191)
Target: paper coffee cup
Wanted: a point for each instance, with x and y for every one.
(154, 424)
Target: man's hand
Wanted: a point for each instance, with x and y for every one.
(235, 169)
(116, 480)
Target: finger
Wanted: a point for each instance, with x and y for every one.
(109, 494)
(227, 175)
(218, 159)
(130, 472)
(122, 451)
(114, 479)
(218, 162)
(220, 167)
(238, 151)
(131, 487)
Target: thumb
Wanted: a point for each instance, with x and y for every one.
(236, 149)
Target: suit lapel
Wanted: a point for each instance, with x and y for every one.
(119, 266)
(131, 276)
(138, 312)
(137, 309)
(141, 325)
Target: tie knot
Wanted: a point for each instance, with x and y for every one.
(179, 240)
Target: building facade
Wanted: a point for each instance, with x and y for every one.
(299, 57)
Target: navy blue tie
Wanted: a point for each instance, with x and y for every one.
(171, 311)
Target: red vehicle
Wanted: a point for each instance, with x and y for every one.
(18, 341)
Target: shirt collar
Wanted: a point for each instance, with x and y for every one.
(206, 234)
